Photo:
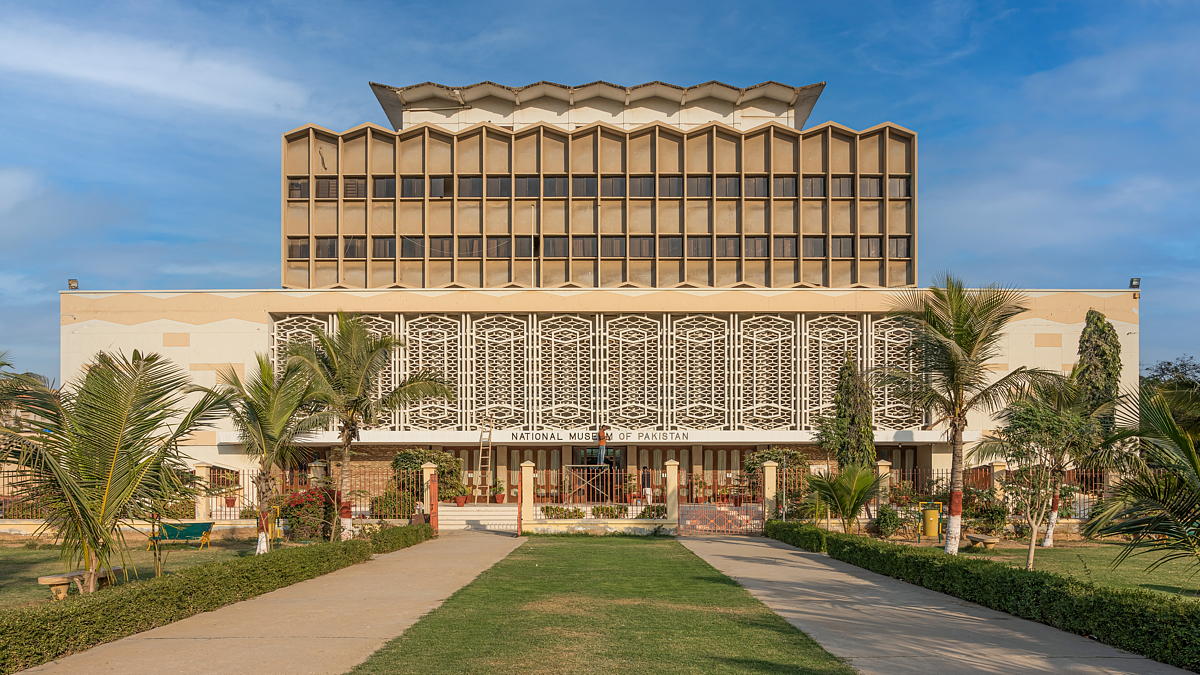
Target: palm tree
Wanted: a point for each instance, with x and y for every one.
(847, 493)
(105, 451)
(272, 414)
(959, 331)
(1156, 503)
(346, 367)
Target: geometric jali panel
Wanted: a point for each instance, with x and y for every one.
(767, 347)
(699, 359)
(566, 372)
(500, 371)
(633, 350)
(828, 340)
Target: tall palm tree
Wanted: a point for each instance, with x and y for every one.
(105, 451)
(959, 330)
(346, 367)
(847, 493)
(273, 413)
(1156, 502)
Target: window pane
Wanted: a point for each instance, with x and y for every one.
(871, 247)
(843, 247)
(898, 247)
(525, 247)
(356, 188)
(470, 186)
(670, 247)
(583, 247)
(499, 247)
(612, 247)
(641, 247)
(439, 186)
(814, 186)
(785, 186)
(354, 247)
(814, 247)
(410, 186)
(441, 247)
(729, 186)
(384, 187)
(699, 186)
(729, 247)
(641, 186)
(756, 186)
(412, 247)
(899, 187)
(554, 186)
(870, 187)
(469, 247)
(583, 186)
(699, 247)
(785, 247)
(297, 188)
(383, 247)
(297, 247)
(670, 186)
(326, 188)
(612, 186)
(527, 186)
(554, 247)
(326, 247)
(499, 186)
(756, 247)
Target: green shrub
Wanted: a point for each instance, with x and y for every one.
(1152, 624)
(653, 512)
(989, 519)
(610, 511)
(393, 504)
(888, 521)
(248, 512)
(800, 535)
(33, 635)
(449, 469)
(308, 514)
(388, 539)
(551, 511)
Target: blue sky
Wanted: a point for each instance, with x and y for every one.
(141, 139)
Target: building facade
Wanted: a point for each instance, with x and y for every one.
(688, 267)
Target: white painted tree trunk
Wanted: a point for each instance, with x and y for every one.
(262, 546)
(953, 534)
(1048, 540)
(347, 529)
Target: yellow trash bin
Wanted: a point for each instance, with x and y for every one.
(929, 522)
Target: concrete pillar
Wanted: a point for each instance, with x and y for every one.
(428, 469)
(1110, 479)
(500, 461)
(203, 508)
(883, 468)
(770, 483)
(526, 494)
(999, 472)
(672, 495)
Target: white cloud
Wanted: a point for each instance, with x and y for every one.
(16, 186)
(180, 73)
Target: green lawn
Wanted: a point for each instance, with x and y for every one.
(584, 604)
(21, 566)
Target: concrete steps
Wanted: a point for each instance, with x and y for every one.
(502, 517)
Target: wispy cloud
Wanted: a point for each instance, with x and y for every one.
(16, 186)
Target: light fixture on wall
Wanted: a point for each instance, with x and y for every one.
(1135, 282)
(72, 284)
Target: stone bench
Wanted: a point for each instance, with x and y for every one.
(988, 542)
(60, 583)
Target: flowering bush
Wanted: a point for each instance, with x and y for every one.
(308, 514)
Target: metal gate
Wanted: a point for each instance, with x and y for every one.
(721, 502)
(746, 518)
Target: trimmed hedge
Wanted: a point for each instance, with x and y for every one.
(1152, 624)
(33, 635)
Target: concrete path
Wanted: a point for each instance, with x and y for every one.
(883, 625)
(325, 625)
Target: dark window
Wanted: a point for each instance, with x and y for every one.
(612, 186)
(414, 186)
(729, 186)
(499, 186)
(699, 247)
(583, 186)
(756, 186)
(583, 247)
(756, 247)
(898, 247)
(842, 247)
(297, 188)
(871, 247)
(384, 187)
(554, 186)
(641, 247)
(699, 186)
(899, 187)
(814, 186)
(355, 188)
(354, 247)
(470, 247)
(499, 247)
(412, 247)
(440, 186)
(297, 247)
(843, 186)
(326, 247)
(441, 247)
(670, 186)
(525, 247)
(641, 186)
(527, 186)
(814, 247)
(470, 186)
(670, 247)
(612, 247)
(729, 247)
(383, 247)
(870, 187)
(326, 188)
(785, 186)
(785, 247)
(554, 247)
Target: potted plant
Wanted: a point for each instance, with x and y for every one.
(723, 494)
(498, 492)
(631, 489)
(700, 489)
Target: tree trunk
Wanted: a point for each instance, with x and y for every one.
(954, 523)
(263, 485)
(342, 526)
(1052, 521)
(93, 570)
(1033, 532)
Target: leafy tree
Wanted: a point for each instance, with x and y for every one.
(272, 413)
(105, 451)
(449, 468)
(847, 493)
(1098, 371)
(959, 331)
(848, 432)
(1183, 372)
(346, 368)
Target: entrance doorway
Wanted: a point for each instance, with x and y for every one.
(613, 457)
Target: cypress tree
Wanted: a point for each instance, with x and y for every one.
(1099, 368)
(848, 432)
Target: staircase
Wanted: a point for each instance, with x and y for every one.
(495, 517)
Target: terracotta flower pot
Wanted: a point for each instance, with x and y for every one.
(230, 502)
(701, 500)
(460, 500)
(499, 499)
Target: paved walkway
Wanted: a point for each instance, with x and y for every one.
(325, 625)
(883, 625)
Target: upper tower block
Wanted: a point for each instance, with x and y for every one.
(456, 108)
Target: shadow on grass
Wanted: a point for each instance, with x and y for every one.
(1176, 590)
(765, 666)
